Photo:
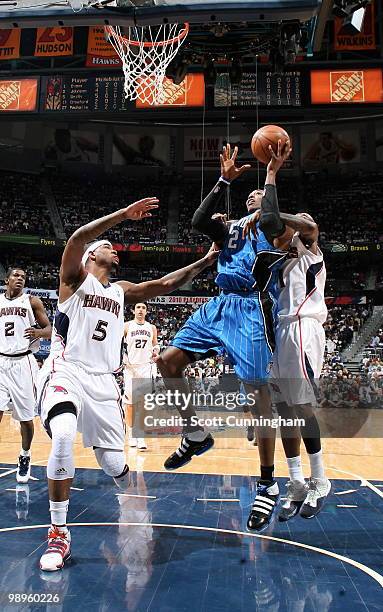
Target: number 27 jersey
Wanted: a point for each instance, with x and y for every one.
(89, 327)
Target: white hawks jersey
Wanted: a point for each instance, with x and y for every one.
(139, 343)
(16, 315)
(302, 284)
(89, 327)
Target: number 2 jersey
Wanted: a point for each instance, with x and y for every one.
(89, 326)
(16, 315)
(248, 263)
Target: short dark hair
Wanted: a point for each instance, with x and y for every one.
(10, 270)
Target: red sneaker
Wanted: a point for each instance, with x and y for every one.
(58, 550)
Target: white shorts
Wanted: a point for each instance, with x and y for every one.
(97, 398)
(144, 372)
(297, 361)
(18, 384)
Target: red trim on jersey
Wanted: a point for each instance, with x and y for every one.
(305, 300)
(312, 290)
(119, 403)
(302, 351)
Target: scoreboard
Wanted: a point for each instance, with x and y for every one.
(92, 94)
(273, 90)
(76, 94)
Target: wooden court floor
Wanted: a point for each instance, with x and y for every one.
(360, 458)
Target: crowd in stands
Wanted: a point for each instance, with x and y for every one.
(23, 207)
(343, 325)
(82, 200)
(346, 207)
(40, 273)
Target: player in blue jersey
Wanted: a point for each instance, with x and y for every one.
(239, 320)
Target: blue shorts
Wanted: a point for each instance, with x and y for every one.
(240, 325)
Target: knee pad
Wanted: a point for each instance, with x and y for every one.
(63, 428)
(112, 461)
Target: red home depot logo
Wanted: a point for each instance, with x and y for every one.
(9, 95)
(347, 86)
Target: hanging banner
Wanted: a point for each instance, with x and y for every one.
(191, 92)
(10, 44)
(54, 42)
(100, 53)
(363, 40)
(18, 95)
(346, 86)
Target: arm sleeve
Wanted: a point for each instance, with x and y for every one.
(202, 220)
(270, 221)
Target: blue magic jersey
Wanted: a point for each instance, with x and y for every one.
(248, 263)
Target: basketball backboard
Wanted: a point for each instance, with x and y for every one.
(32, 13)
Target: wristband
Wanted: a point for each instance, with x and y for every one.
(223, 180)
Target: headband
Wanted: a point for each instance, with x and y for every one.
(91, 248)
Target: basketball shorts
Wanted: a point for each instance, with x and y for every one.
(143, 374)
(96, 397)
(240, 325)
(298, 360)
(18, 385)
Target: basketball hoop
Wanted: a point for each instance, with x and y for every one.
(146, 52)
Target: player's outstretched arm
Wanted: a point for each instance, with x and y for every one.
(72, 271)
(270, 221)
(302, 223)
(41, 317)
(167, 284)
(203, 219)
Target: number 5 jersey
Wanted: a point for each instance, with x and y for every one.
(89, 326)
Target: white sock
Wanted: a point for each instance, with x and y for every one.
(197, 436)
(295, 469)
(59, 511)
(316, 464)
(24, 453)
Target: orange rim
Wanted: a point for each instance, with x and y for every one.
(157, 43)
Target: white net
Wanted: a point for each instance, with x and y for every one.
(146, 52)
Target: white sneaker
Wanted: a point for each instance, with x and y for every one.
(23, 469)
(319, 488)
(141, 444)
(296, 495)
(58, 550)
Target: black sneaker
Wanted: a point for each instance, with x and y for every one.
(316, 497)
(296, 495)
(23, 469)
(186, 450)
(265, 502)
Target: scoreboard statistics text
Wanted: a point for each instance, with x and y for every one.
(83, 94)
(273, 90)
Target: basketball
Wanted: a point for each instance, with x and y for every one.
(265, 136)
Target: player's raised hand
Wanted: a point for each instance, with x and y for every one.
(212, 255)
(229, 171)
(141, 209)
(277, 159)
(220, 217)
(250, 226)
